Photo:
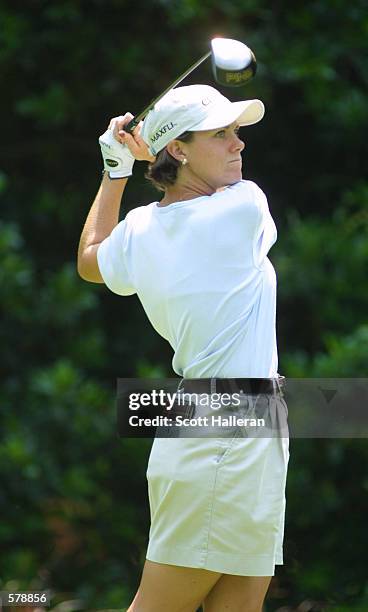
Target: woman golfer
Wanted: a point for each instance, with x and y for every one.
(198, 263)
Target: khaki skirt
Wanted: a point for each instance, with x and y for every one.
(218, 503)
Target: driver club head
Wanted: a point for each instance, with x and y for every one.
(233, 63)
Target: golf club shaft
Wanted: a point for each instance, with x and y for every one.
(134, 122)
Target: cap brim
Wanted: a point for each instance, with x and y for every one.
(246, 112)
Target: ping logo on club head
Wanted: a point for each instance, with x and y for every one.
(112, 163)
(239, 76)
(165, 128)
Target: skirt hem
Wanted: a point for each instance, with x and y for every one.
(260, 565)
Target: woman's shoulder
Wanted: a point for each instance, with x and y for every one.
(247, 187)
(246, 193)
(141, 212)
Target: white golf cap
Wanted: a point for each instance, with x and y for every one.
(195, 108)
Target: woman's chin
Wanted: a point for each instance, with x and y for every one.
(236, 179)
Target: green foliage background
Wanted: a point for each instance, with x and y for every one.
(73, 501)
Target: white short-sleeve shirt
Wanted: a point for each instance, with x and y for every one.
(201, 271)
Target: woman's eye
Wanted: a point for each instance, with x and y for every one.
(222, 133)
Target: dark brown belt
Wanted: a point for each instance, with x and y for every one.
(248, 386)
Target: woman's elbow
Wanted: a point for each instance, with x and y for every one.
(88, 272)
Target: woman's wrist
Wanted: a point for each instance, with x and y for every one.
(110, 176)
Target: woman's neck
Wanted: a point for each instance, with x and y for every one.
(171, 198)
(181, 192)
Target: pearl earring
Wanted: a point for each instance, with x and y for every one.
(184, 161)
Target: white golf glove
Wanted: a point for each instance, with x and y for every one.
(118, 160)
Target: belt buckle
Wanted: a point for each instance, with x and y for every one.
(187, 409)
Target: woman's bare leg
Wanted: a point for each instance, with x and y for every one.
(170, 588)
(237, 594)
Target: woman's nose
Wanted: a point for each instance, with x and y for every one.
(238, 144)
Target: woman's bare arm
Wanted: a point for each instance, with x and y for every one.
(102, 218)
(104, 213)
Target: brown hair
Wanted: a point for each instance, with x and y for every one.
(164, 170)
